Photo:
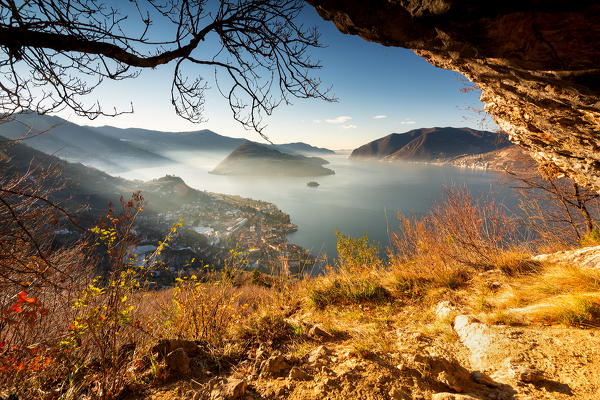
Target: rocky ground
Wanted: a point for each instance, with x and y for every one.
(485, 363)
(440, 352)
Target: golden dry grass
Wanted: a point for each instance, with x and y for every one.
(553, 293)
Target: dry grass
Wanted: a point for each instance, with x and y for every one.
(355, 279)
(573, 310)
(550, 294)
(465, 250)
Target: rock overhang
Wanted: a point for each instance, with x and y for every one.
(537, 64)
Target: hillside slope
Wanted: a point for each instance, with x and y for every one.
(510, 158)
(431, 144)
(56, 136)
(116, 149)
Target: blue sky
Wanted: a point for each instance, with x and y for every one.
(380, 90)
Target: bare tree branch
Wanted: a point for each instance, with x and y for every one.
(57, 52)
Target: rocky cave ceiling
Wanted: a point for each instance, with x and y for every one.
(537, 64)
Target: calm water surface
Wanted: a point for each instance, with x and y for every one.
(362, 197)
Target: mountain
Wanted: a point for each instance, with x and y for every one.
(164, 142)
(301, 148)
(56, 136)
(255, 159)
(115, 149)
(431, 144)
(203, 140)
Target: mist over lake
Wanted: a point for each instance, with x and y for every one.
(362, 197)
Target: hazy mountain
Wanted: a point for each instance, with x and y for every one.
(255, 159)
(164, 142)
(203, 140)
(301, 148)
(429, 144)
(116, 149)
(56, 136)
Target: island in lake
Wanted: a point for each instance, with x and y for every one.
(258, 160)
(312, 184)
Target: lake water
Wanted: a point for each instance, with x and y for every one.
(362, 197)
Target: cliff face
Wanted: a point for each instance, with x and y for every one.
(537, 63)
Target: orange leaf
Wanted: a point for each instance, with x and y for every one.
(22, 296)
(43, 311)
(15, 308)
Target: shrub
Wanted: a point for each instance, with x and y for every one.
(347, 291)
(356, 254)
(204, 311)
(460, 235)
(355, 277)
(461, 230)
(266, 327)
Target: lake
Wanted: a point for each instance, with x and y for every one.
(362, 197)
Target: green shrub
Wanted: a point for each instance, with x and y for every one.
(356, 254)
(344, 291)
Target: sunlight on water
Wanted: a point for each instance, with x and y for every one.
(362, 197)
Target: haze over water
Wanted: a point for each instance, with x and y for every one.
(362, 197)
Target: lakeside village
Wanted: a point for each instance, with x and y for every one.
(214, 227)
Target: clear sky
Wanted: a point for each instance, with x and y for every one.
(380, 90)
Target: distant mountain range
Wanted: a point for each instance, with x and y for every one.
(113, 149)
(431, 144)
(55, 136)
(254, 159)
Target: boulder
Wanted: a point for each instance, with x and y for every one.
(298, 374)
(274, 366)
(178, 361)
(318, 355)
(316, 332)
(234, 389)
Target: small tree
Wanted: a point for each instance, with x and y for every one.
(557, 206)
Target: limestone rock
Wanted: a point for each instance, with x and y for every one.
(452, 396)
(529, 375)
(318, 354)
(234, 389)
(450, 381)
(178, 361)
(316, 332)
(298, 374)
(587, 257)
(483, 379)
(477, 337)
(444, 310)
(274, 366)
